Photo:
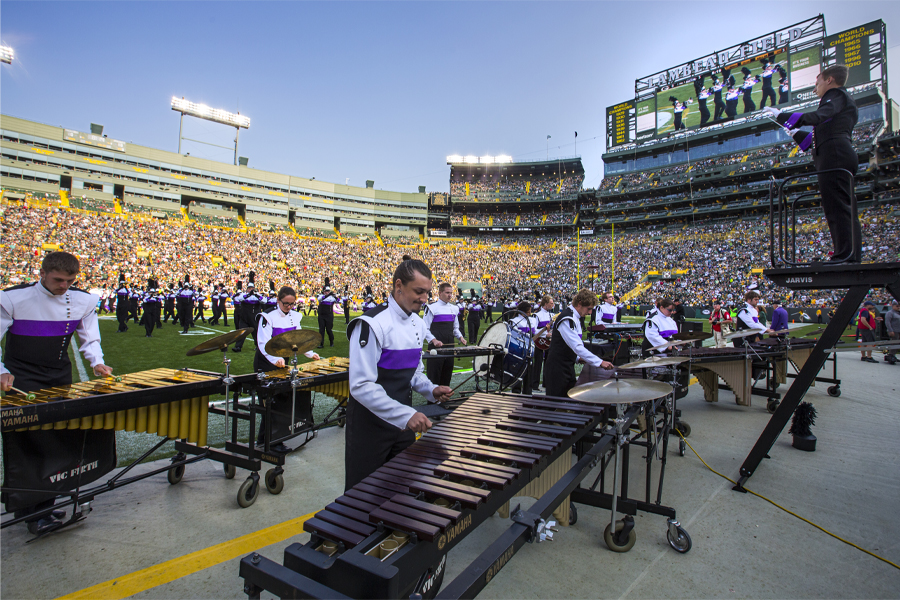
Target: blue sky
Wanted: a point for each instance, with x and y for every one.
(373, 90)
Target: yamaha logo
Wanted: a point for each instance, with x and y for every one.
(799, 280)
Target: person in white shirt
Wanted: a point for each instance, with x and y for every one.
(566, 346)
(607, 312)
(748, 318)
(544, 318)
(441, 329)
(385, 367)
(659, 326)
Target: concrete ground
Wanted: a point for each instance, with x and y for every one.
(155, 540)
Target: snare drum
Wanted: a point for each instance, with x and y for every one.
(517, 348)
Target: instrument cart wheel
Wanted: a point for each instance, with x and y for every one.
(684, 427)
(682, 447)
(249, 491)
(680, 541)
(772, 406)
(175, 474)
(230, 471)
(274, 481)
(611, 541)
(573, 513)
(342, 420)
(834, 391)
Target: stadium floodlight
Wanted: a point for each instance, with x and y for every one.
(454, 158)
(7, 54)
(503, 159)
(487, 160)
(201, 111)
(472, 160)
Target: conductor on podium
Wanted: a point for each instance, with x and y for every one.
(832, 148)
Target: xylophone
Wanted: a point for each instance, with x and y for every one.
(388, 536)
(462, 352)
(169, 403)
(329, 376)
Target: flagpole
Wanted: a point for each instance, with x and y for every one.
(613, 284)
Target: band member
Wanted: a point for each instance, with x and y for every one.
(250, 307)
(151, 307)
(731, 101)
(38, 320)
(441, 330)
(200, 303)
(123, 295)
(527, 324)
(385, 366)
(237, 313)
(718, 317)
(134, 299)
(566, 346)
(544, 318)
(326, 304)
(658, 326)
(748, 318)
(489, 309)
(832, 148)
(269, 324)
(717, 88)
(784, 88)
(223, 305)
(680, 108)
(345, 303)
(271, 302)
(747, 90)
(779, 318)
(463, 306)
(370, 303)
(702, 96)
(186, 304)
(766, 77)
(476, 308)
(169, 297)
(607, 311)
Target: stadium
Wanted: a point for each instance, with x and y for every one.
(681, 211)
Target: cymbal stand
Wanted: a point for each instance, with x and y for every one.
(620, 537)
(228, 380)
(295, 383)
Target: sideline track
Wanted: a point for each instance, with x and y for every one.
(166, 572)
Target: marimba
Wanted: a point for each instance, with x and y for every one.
(388, 536)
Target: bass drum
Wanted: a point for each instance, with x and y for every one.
(509, 368)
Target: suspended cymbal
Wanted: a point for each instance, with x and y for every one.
(671, 344)
(623, 391)
(655, 361)
(289, 342)
(220, 342)
(692, 336)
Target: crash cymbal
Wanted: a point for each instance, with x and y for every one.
(654, 361)
(623, 391)
(692, 336)
(289, 342)
(671, 344)
(220, 342)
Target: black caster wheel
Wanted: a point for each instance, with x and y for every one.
(684, 427)
(230, 471)
(834, 391)
(573, 513)
(682, 447)
(274, 481)
(682, 543)
(772, 406)
(175, 474)
(342, 422)
(611, 542)
(248, 492)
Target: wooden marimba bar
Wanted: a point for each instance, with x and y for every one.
(388, 536)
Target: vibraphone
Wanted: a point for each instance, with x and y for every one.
(388, 536)
(328, 376)
(165, 402)
(796, 351)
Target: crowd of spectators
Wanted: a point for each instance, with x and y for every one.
(717, 260)
(491, 188)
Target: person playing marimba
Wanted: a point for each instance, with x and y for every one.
(38, 320)
(385, 367)
(269, 324)
(748, 318)
(659, 326)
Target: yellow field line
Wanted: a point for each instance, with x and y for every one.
(151, 577)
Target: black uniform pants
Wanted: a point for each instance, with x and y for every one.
(837, 192)
(474, 322)
(122, 316)
(200, 309)
(439, 370)
(133, 306)
(768, 92)
(347, 314)
(215, 313)
(223, 313)
(185, 310)
(326, 324)
(369, 443)
(489, 315)
(151, 316)
(169, 311)
(536, 366)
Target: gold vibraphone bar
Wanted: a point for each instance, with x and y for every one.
(183, 419)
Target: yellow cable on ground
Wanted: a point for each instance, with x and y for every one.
(776, 505)
(166, 572)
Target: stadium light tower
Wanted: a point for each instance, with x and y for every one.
(201, 111)
(6, 54)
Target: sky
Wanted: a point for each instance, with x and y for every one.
(347, 91)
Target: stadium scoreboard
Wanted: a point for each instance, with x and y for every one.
(781, 65)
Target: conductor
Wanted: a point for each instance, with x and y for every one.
(385, 367)
(833, 123)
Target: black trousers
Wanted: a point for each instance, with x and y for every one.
(768, 92)
(489, 315)
(346, 314)
(122, 316)
(837, 192)
(326, 324)
(720, 110)
(474, 322)
(439, 370)
(369, 443)
(537, 365)
(199, 314)
(133, 305)
(216, 312)
(185, 312)
(223, 313)
(151, 316)
(558, 382)
(169, 311)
